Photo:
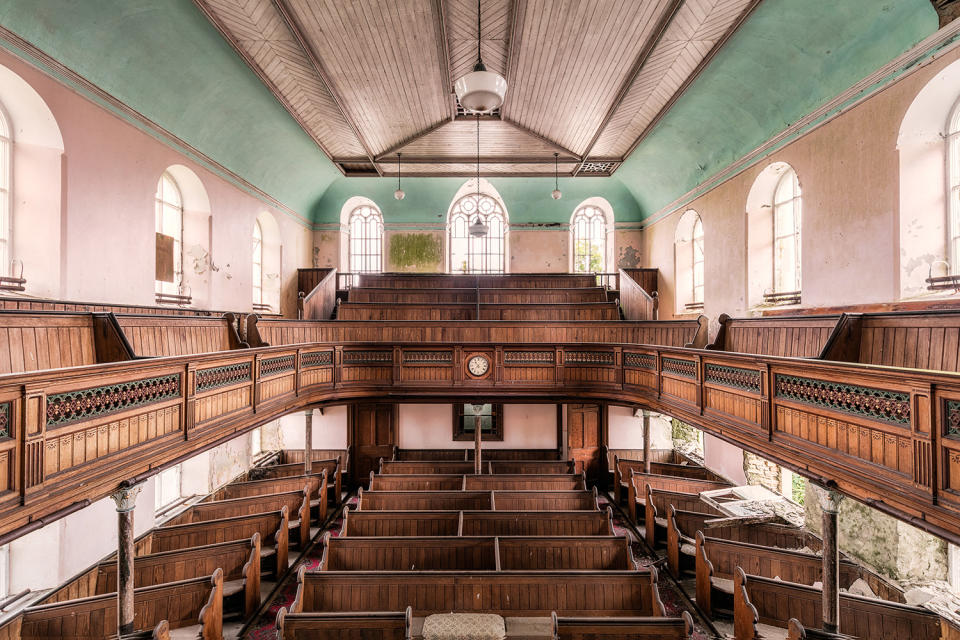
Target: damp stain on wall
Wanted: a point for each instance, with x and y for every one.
(416, 252)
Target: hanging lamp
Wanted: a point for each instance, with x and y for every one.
(480, 91)
(556, 177)
(398, 194)
(478, 228)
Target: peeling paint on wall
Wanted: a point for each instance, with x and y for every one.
(416, 252)
(628, 258)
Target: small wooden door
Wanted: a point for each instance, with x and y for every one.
(373, 436)
(584, 437)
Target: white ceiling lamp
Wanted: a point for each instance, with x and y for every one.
(556, 195)
(480, 91)
(478, 228)
(398, 194)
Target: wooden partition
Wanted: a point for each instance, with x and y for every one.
(155, 336)
(789, 336)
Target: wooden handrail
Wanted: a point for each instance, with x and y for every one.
(635, 302)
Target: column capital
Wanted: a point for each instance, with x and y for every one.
(126, 497)
(829, 499)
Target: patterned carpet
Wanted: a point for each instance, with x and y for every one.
(673, 599)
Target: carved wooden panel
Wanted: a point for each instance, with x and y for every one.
(216, 405)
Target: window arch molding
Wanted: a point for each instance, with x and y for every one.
(353, 245)
(774, 236)
(489, 254)
(688, 256)
(595, 206)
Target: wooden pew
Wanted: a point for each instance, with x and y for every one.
(293, 501)
(482, 281)
(507, 593)
(465, 454)
(622, 468)
(503, 482)
(181, 604)
(505, 467)
(315, 483)
(477, 523)
(487, 296)
(477, 500)
(534, 467)
(475, 553)
(638, 481)
(775, 602)
(160, 632)
(655, 508)
(787, 336)
(239, 561)
(344, 626)
(334, 468)
(273, 527)
(565, 628)
(386, 311)
(796, 631)
(155, 336)
(439, 467)
(34, 341)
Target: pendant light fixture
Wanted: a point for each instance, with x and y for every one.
(480, 91)
(398, 194)
(556, 177)
(478, 228)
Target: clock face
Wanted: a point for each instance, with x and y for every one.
(478, 365)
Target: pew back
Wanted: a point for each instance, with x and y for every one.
(477, 523)
(787, 336)
(565, 628)
(175, 335)
(344, 626)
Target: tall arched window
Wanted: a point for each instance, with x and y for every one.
(366, 240)
(589, 231)
(953, 195)
(6, 153)
(688, 262)
(257, 264)
(168, 206)
(483, 254)
(786, 234)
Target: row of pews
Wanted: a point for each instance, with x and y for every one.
(422, 544)
(765, 576)
(203, 570)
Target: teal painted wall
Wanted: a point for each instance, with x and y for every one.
(163, 59)
(428, 199)
(787, 59)
(166, 61)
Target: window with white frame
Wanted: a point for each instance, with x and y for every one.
(473, 254)
(697, 261)
(167, 488)
(6, 157)
(786, 233)
(168, 207)
(366, 240)
(953, 195)
(589, 231)
(257, 263)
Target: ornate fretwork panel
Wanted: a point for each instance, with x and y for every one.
(207, 379)
(892, 407)
(72, 406)
(735, 377)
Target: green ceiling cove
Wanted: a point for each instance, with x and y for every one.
(785, 61)
(428, 199)
(163, 59)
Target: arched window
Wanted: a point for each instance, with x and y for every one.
(786, 234)
(366, 240)
(953, 194)
(688, 263)
(589, 231)
(483, 254)
(6, 153)
(168, 206)
(257, 264)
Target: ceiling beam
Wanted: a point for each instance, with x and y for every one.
(510, 66)
(284, 8)
(215, 21)
(662, 25)
(472, 160)
(443, 49)
(693, 76)
(420, 134)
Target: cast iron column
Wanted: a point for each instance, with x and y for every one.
(308, 441)
(125, 499)
(830, 504)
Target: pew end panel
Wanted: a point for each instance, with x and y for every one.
(704, 571)
(745, 616)
(251, 578)
(211, 615)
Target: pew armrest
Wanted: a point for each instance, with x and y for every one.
(211, 616)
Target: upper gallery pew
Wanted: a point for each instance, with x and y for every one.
(181, 604)
(565, 628)
(16, 303)
(554, 311)
(374, 625)
(775, 602)
(472, 553)
(507, 593)
(472, 281)
(477, 523)
(676, 333)
(788, 336)
(155, 336)
(470, 295)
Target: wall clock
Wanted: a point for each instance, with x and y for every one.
(478, 366)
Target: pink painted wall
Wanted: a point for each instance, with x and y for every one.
(102, 246)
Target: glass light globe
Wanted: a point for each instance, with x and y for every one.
(399, 194)
(556, 195)
(481, 91)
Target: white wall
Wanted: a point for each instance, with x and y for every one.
(329, 429)
(626, 429)
(724, 458)
(430, 426)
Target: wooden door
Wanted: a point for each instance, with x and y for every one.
(584, 437)
(373, 437)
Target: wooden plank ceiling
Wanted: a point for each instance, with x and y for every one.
(368, 79)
